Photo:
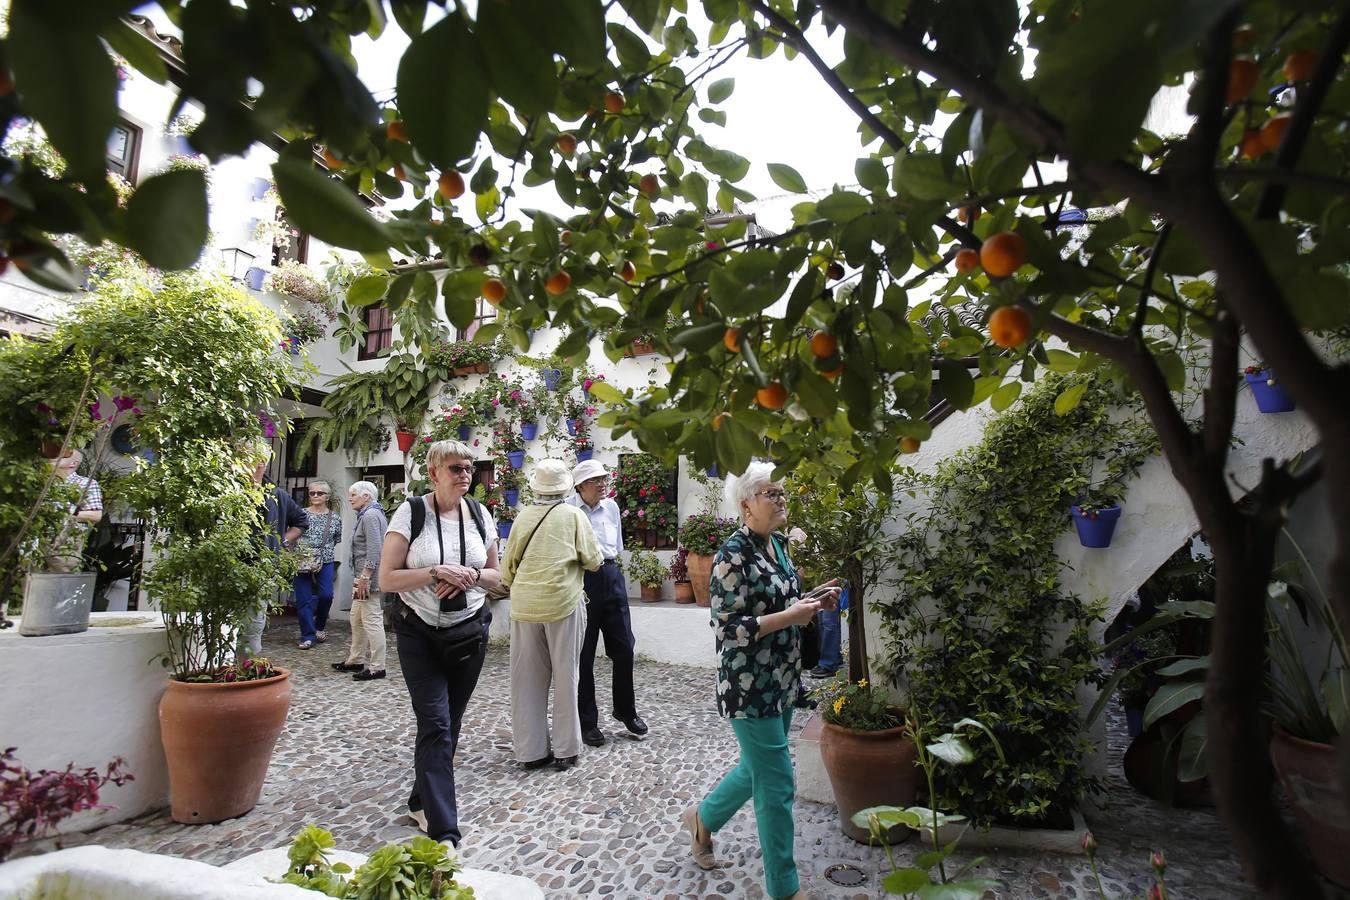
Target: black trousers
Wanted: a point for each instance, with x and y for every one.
(441, 668)
(607, 614)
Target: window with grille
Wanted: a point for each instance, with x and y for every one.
(296, 467)
(379, 332)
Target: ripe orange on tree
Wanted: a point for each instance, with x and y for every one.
(967, 260)
(1273, 131)
(717, 420)
(834, 373)
(649, 184)
(398, 173)
(1009, 326)
(909, 445)
(494, 291)
(451, 185)
(614, 102)
(1298, 66)
(731, 339)
(558, 283)
(629, 271)
(1252, 146)
(1242, 75)
(823, 344)
(330, 160)
(1003, 254)
(395, 131)
(772, 396)
(567, 143)
(834, 271)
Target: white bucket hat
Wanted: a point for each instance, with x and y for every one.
(591, 468)
(550, 477)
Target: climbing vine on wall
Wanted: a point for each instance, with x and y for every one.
(981, 626)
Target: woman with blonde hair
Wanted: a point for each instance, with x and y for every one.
(313, 584)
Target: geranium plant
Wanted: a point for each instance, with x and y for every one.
(295, 279)
(462, 354)
(704, 533)
(304, 328)
(33, 803)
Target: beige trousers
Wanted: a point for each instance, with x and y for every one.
(544, 653)
(367, 621)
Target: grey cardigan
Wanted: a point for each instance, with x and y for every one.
(368, 542)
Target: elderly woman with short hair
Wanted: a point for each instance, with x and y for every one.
(758, 612)
(438, 556)
(366, 656)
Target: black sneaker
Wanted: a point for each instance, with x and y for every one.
(368, 675)
(538, 763)
(564, 762)
(593, 736)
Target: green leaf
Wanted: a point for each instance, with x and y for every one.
(132, 43)
(1182, 666)
(578, 29)
(68, 84)
(843, 206)
(922, 176)
(1067, 401)
(930, 858)
(952, 750)
(736, 444)
(871, 174)
(1172, 696)
(787, 178)
(632, 51)
(607, 393)
(367, 290)
(443, 92)
(700, 338)
(167, 219)
(955, 383)
(721, 89)
(694, 188)
(905, 881)
(323, 207)
(1193, 763)
(1061, 361)
(522, 69)
(1004, 396)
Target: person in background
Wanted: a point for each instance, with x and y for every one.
(85, 512)
(606, 609)
(313, 583)
(366, 656)
(441, 571)
(551, 543)
(757, 613)
(284, 522)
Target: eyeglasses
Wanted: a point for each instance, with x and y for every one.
(318, 493)
(466, 471)
(772, 496)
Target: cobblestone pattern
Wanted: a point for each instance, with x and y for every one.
(608, 828)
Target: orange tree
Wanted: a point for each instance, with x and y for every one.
(603, 102)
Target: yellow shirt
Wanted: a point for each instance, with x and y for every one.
(546, 584)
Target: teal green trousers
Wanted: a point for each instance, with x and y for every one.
(764, 773)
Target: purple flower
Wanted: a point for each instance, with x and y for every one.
(123, 402)
(94, 413)
(42, 407)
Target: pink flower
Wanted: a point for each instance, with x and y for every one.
(475, 442)
(427, 439)
(712, 245)
(94, 413)
(642, 492)
(590, 410)
(494, 399)
(455, 409)
(586, 385)
(614, 493)
(515, 395)
(642, 513)
(1158, 861)
(1089, 843)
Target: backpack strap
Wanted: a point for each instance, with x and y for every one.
(476, 509)
(418, 507)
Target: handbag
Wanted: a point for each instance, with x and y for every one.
(310, 562)
(808, 634)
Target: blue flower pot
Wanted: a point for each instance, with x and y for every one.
(1134, 721)
(583, 455)
(504, 530)
(517, 458)
(1096, 532)
(489, 414)
(551, 378)
(254, 277)
(512, 496)
(572, 426)
(528, 430)
(1270, 398)
(712, 470)
(464, 432)
(258, 188)
(295, 345)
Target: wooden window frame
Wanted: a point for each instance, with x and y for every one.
(132, 160)
(377, 340)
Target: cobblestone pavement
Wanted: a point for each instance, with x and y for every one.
(609, 826)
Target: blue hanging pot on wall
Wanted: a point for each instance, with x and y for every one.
(528, 430)
(572, 426)
(1271, 397)
(464, 431)
(583, 455)
(517, 458)
(551, 378)
(1095, 527)
(504, 529)
(511, 496)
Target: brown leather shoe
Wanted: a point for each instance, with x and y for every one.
(700, 839)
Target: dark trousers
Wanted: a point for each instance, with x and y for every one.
(441, 675)
(607, 614)
(313, 599)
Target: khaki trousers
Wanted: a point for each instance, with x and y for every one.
(367, 621)
(544, 653)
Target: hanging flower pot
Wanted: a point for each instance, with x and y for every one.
(1271, 397)
(583, 455)
(572, 426)
(551, 378)
(406, 439)
(517, 458)
(1095, 526)
(489, 414)
(464, 432)
(511, 496)
(529, 430)
(504, 529)
(254, 276)
(294, 345)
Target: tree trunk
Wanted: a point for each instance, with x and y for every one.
(857, 621)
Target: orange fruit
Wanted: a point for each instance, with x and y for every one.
(614, 102)
(1273, 131)
(834, 271)
(1251, 145)
(1003, 253)
(823, 344)
(967, 260)
(909, 445)
(832, 374)
(717, 420)
(732, 340)
(395, 131)
(772, 396)
(398, 173)
(1242, 75)
(969, 214)
(565, 236)
(628, 272)
(567, 143)
(330, 160)
(1243, 36)
(494, 291)
(1298, 66)
(451, 185)
(1009, 326)
(650, 185)
(558, 283)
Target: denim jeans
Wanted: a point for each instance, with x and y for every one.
(313, 599)
(831, 654)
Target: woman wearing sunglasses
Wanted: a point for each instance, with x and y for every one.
(313, 584)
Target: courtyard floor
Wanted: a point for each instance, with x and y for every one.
(609, 827)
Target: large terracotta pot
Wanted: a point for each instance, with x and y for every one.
(651, 594)
(1307, 772)
(700, 571)
(684, 592)
(869, 768)
(218, 741)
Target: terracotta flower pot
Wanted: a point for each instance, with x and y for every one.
(869, 768)
(1307, 772)
(684, 592)
(406, 439)
(218, 742)
(700, 571)
(651, 594)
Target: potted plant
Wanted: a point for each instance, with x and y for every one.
(466, 357)
(575, 410)
(1095, 520)
(1140, 659)
(701, 535)
(867, 752)
(508, 443)
(645, 568)
(679, 573)
(506, 517)
(1271, 397)
(303, 328)
(581, 443)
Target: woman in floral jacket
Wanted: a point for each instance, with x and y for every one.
(758, 612)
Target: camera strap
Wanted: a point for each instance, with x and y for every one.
(440, 540)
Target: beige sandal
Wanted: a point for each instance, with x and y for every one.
(702, 850)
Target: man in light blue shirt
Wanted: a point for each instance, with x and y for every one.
(606, 608)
